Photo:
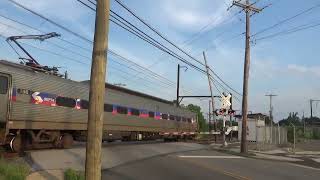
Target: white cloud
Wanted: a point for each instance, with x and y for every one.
(62, 9)
(300, 69)
(195, 14)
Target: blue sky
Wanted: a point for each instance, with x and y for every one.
(286, 65)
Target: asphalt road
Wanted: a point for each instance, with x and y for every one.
(207, 164)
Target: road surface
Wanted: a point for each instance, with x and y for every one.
(166, 161)
(208, 164)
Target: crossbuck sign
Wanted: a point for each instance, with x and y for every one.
(226, 101)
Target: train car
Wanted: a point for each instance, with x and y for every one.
(43, 110)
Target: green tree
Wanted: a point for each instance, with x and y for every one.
(202, 124)
(292, 118)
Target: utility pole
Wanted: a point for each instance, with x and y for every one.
(211, 93)
(209, 116)
(97, 92)
(311, 110)
(311, 103)
(271, 115)
(178, 85)
(249, 10)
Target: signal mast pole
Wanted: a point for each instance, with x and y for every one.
(97, 92)
(248, 8)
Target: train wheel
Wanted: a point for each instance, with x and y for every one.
(16, 144)
(67, 141)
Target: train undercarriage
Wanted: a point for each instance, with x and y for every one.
(22, 140)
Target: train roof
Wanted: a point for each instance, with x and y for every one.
(132, 92)
(107, 85)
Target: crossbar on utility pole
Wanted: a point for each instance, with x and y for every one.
(210, 86)
(248, 8)
(97, 92)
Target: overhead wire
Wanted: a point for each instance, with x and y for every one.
(73, 52)
(136, 28)
(58, 25)
(288, 31)
(162, 36)
(286, 20)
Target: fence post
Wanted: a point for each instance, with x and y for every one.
(279, 133)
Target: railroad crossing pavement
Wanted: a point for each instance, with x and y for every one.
(166, 161)
(208, 164)
(306, 158)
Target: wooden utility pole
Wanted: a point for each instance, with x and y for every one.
(249, 9)
(97, 92)
(210, 86)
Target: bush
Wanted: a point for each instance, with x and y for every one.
(316, 133)
(71, 174)
(13, 171)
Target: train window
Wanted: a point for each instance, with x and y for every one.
(135, 112)
(108, 108)
(171, 117)
(151, 114)
(164, 116)
(84, 104)
(65, 101)
(122, 110)
(184, 119)
(178, 118)
(3, 85)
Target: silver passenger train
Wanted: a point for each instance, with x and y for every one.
(42, 110)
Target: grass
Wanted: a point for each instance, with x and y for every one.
(71, 174)
(10, 170)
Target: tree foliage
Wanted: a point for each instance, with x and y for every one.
(202, 124)
(291, 119)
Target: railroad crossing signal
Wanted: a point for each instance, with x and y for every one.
(226, 101)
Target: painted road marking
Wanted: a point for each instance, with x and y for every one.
(216, 169)
(213, 157)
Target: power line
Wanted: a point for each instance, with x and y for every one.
(73, 52)
(86, 39)
(289, 31)
(130, 31)
(153, 42)
(156, 31)
(162, 36)
(286, 20)
(144, 38)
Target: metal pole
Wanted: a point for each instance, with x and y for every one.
(279, 138)
(97, 92)
(231, 138)
(311, 114)
(178, 85)
(294, 139)
(224, 131)
(209, 116)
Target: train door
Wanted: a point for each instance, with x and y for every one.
(4, 97)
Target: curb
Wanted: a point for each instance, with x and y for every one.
(45, 175)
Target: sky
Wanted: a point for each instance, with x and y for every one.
(285, 65)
